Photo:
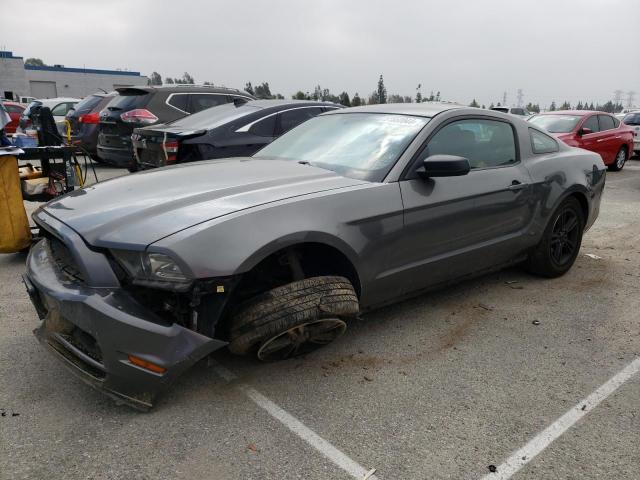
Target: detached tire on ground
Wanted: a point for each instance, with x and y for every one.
(293, 319)
(560, 244)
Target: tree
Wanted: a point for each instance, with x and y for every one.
(317, 93)
(552, 108)
(565, 106)
(36, 62)
(408, 99)
(279, 96)
(438, 96)
(418, 93)
(187, 79)
(155, 79)
(373, 98)
(299, 95)
(344, 99)
(474, 104)
(382, 91)
(432, 97)
(483, 106)
(249, 88)
(491, 106)
(356, 101)
(168, 81)
(263, 91)
(395, 98)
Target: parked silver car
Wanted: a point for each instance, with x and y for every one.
(139, 277)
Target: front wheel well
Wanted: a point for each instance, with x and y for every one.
(289, 264)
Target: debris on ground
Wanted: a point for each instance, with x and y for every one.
(252, 447)
(368, 378)
(485, 307)
(536, 322)
(369, 474)
(591, 255)
(493, 468)
(584, 407)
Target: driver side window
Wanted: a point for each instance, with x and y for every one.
(485, 143)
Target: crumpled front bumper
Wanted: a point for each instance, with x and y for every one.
(93, 331)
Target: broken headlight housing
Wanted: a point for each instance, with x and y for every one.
(152, 269)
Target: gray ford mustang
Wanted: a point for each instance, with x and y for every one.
(138, 278)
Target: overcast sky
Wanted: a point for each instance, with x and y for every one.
(551, 49)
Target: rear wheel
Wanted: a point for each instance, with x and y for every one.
(619, 161)
(560, 244)
(294, 319)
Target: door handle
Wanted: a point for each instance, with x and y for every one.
(516, 185)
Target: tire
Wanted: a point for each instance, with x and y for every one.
(551, 257)
(619, 161)
(307, 313)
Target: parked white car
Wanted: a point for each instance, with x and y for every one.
(632, 119)
(59, 108)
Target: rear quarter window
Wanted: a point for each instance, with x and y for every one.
(542, 143)
(179, 101)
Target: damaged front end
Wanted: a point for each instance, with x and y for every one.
(128, 341)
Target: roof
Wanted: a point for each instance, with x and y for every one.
(183, 88)
(425, 109)
(293, 103)
(578, 113)
(94, 71)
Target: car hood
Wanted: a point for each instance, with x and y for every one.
(136, 210)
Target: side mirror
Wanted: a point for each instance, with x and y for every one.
(584, 131)
(444, 166)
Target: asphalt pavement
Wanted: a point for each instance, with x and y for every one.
(443, 386)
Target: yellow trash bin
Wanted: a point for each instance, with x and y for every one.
(15, 234)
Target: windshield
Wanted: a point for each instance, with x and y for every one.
(357, 145)
(214, 117)
(556, 123)
(632, 119)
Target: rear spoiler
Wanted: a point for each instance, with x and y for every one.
(132, 91)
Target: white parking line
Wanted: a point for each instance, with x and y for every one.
(541, 441)
(300, 429)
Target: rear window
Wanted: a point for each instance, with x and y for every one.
(214, 117)
(500, 109)
(88, 104)
(13, 109)
(129, 101)
(556, 123)
(202, 101)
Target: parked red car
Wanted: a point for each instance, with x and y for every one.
(596, 131)
(15, 111)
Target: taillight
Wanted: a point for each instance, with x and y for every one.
(139, 115)
(89, 118)
(170, 148)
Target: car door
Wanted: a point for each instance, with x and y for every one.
(455, 226)
(592, 141)
(610, 139)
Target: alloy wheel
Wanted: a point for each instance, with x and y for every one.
(620, 159)
(301, 339)
(564, 237)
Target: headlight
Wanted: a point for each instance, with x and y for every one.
(155, 267)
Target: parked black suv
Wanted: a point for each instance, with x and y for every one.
(84, 119)
(231, 130)
(141, 106)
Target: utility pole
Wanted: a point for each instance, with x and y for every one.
(520, 97)
(630, 95)
(504, 99)
(617, 97)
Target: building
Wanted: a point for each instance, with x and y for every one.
(20, 80)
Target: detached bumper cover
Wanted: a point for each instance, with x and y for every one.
(94, 330)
